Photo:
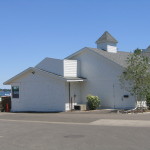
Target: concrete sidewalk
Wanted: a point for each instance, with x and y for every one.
(121, 123)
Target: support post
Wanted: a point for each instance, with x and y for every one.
(69, 97)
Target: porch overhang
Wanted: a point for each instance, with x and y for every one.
(75, 79)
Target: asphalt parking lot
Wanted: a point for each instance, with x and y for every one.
(74, 131)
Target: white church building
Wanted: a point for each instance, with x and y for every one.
(58, 85)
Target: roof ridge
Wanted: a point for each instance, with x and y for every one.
(108, 52)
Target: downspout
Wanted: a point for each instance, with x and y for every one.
(114, 95)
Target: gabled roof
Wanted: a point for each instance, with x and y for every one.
(106, 37)
(30, 69)
(146, 53)
(148, 47)
(34, 69)
(118, 58)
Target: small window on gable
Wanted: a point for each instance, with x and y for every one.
(15, 91)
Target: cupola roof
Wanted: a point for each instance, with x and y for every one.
(106, 38)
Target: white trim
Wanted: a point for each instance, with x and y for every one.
(31, 69)
(75, 80)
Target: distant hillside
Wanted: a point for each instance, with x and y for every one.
(5, 90)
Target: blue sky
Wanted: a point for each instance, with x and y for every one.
(31, 30)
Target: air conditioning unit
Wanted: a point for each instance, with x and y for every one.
(80, 107)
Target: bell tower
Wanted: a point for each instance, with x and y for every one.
(107, 43)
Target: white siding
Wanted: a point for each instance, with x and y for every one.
(52, 65)
(110, 47)
(38, 92)
(103, 80)
(66, 68)
(70, 68)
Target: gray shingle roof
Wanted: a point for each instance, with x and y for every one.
(148, 47)
(106, 37)
(119, 57)
(146, 53)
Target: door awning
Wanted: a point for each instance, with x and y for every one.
(74, 79)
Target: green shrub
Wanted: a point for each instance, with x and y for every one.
(93, 102)
(148, 100)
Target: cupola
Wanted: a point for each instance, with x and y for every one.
(107, 43)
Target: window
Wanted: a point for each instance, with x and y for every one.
(15, 91)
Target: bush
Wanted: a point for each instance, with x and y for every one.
(93, 102)
(148, 100)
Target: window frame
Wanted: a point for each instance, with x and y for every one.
(15, 91)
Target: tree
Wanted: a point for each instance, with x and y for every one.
(136, 76)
